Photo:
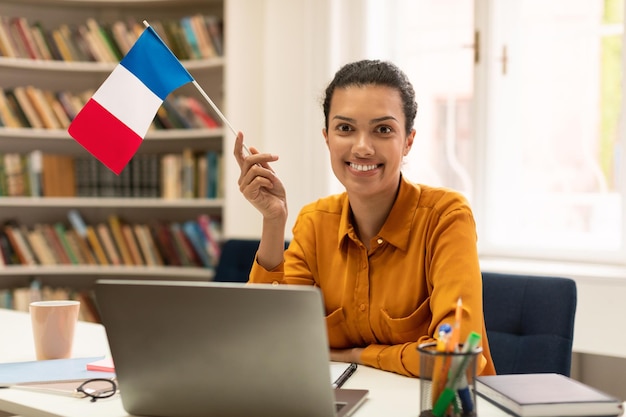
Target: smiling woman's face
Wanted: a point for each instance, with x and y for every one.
(366, 138)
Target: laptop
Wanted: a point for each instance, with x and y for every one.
(220, 349)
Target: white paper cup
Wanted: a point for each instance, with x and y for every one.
(53, 324)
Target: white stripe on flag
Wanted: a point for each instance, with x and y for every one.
(128, 99)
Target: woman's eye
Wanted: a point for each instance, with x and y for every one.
(344, 128)
(384, 129)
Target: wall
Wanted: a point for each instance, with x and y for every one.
(278, 64)
(600, 334)
(606, 373)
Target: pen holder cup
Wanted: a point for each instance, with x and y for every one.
(447, 382)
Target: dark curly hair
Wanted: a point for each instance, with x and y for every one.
(374, 72)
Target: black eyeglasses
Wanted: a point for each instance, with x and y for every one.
(97, 388)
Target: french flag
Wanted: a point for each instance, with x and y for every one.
(113, 123)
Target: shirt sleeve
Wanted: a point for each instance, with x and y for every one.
(260, 275)
(299, 271)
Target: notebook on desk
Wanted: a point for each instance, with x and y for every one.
(220, 349)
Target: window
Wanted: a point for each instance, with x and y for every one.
(533, 131)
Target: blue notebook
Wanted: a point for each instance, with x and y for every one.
(12, 373)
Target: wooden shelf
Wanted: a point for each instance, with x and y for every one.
(80, 68)
(157, 141)
(32, 210)
(84, 276)
(118, 4)
(84, 202)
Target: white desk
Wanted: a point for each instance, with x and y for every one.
(390, 394)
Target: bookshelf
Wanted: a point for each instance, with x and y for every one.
(78, 76)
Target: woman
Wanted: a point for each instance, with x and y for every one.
(390, 257)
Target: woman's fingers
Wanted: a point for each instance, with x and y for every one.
(238, 149)
(258, 182)
(252, 157)
(255, 181)
(249, 162)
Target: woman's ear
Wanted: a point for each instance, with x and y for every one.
(325, 134)
(408, 143)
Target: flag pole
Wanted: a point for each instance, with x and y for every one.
(219, 113)
(213, 105)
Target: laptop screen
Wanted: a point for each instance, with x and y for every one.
(217, 349)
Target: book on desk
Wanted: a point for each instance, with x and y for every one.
(47, 371)
(549, 394)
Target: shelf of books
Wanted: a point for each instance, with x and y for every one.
(108, 242)
(64, 217)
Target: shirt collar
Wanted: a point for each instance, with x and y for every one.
(397, 227)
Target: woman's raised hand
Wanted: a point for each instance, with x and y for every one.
(258, 182)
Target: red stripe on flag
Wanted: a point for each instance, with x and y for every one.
(104, 136)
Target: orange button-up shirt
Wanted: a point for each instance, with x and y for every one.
(394, 296)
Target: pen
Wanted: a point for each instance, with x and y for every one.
(465, 396)
(345, 375)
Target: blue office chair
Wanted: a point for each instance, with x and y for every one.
(236, 259)
(529, 322)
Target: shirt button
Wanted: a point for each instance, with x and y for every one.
(380, 241)
(362, 307)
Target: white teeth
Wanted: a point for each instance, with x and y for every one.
(362, 167)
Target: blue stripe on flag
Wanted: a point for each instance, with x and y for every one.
(155, 65)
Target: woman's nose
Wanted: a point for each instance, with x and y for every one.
(362, 146)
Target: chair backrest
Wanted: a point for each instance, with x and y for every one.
(529, 322)
(236, 259)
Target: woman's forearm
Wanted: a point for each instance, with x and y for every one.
(272, 246)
